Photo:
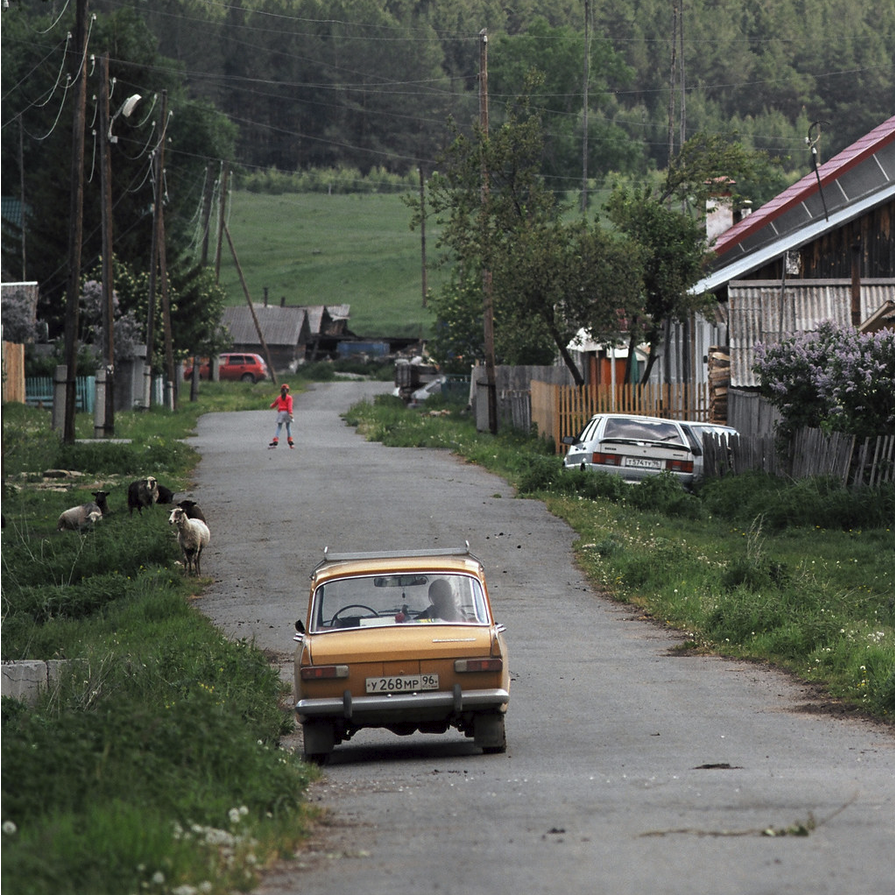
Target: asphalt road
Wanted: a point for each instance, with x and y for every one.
(630, 769)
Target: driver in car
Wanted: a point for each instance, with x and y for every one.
(443, 603)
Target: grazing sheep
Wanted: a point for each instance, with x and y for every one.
(165, 495)
(79, 518)
(142, 493)
(193, 536)
(100, 498)
(191, 508)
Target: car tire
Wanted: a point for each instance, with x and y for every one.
(247, 377)
(490, 733)
(319, 739)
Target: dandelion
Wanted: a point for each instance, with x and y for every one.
(9, 828)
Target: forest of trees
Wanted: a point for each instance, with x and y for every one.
(369, 83)
(372, 85)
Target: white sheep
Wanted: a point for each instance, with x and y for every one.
(193, 536)
(79, 518)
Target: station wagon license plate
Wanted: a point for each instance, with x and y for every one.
(643, 462)
(404, 683)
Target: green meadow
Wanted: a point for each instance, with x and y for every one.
(315, 248)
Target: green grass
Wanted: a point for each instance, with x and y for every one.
(799, 574)
(315, 248)
(155, 764)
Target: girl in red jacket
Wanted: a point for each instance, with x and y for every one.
(283, 404)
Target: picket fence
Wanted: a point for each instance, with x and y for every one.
(560, 410)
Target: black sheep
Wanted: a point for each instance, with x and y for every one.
(191, 508)
(165, 495)
(142, 493)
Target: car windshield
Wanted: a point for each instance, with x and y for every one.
(379, 600)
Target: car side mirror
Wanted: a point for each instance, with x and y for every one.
(569, 439)
(299, 631)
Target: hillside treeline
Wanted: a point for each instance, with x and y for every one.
(369, 83)
(274, 87)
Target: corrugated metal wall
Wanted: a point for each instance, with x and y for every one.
(768, 311)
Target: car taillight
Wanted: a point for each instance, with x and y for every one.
(323, 672)
(488, 664)
(606, 459)
(679, 465)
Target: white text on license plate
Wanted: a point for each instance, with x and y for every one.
(403, 683)
(643, 462)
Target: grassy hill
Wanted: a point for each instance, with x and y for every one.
(315, 248)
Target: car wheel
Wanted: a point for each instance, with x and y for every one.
(247, 377)
(319, 741)
(490, 733)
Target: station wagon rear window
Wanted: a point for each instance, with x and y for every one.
(406, 599)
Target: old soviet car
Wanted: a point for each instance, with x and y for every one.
(633, 447)
(403, 641)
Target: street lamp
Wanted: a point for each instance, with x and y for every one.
(126, 109)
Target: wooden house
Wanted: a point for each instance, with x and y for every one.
(824, 249)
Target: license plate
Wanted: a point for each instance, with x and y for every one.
(643, 462)
(405, 683)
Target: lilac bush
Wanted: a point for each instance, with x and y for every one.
(18, 317)
(835, 379)
(128, 330)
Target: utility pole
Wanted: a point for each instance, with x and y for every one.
(105, 133)
(672, 80)
(22, 193)
(158, 176)
(170, 383)
(487, 283)
(585, 111)
(423, 234)
(222, 218)
(245, 290)
(206, 210)
(76, 225)
(158, 271)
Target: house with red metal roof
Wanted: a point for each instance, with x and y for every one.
(823, 249)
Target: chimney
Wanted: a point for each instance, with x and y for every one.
(719, 207)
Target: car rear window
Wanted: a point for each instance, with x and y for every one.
(642, 430)
(380, 600)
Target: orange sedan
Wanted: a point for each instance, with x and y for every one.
(404, 641)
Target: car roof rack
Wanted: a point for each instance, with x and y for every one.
(329, 557)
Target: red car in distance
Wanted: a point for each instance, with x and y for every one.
(233, 367)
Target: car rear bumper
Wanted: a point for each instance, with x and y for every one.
(631, 475)
(369, 709)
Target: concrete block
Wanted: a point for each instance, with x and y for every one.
(24, 679)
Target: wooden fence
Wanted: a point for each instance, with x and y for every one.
(855, 461)
(13, 372)
(560, 410)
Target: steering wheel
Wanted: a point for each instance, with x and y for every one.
(338, 612)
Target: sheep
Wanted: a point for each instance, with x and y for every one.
(165, 495)
(142, 493)
(100, 499)
(80, 517)
(191, 508)
(193, 536)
